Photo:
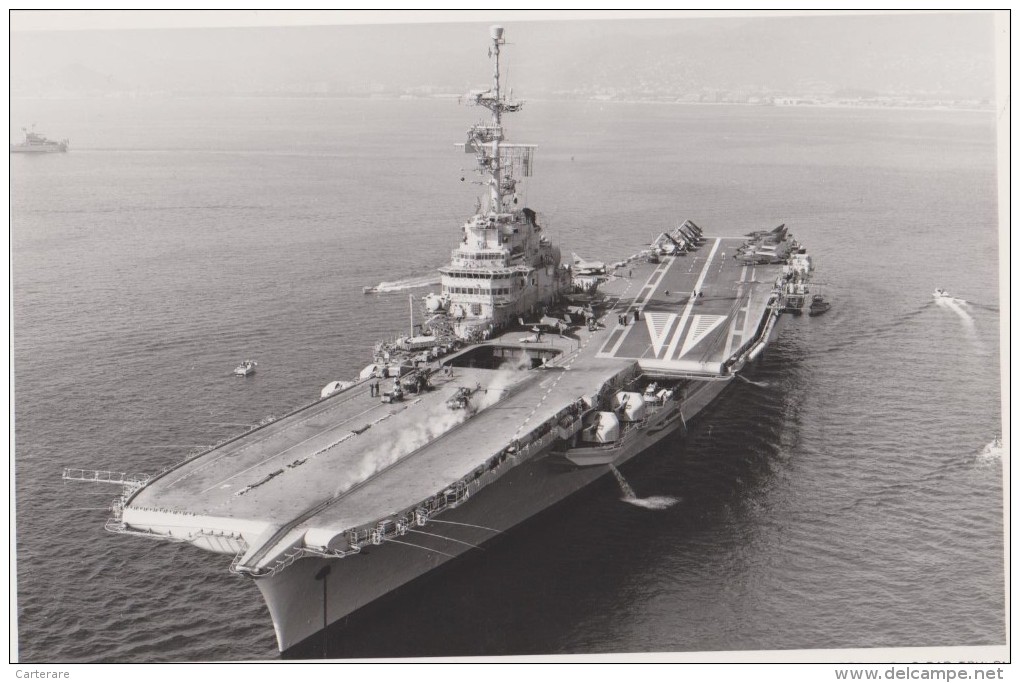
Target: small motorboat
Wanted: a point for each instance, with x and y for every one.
(941, 294)
(245, 368)
(818, 305)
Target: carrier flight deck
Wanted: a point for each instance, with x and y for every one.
(686, 315)
(695, 310)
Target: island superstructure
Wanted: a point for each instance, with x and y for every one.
(555, 378)
(504, 266)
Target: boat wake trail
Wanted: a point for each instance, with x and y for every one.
(992, 452)
(983, 307)
(966, 319)
(405, 284)
(650, 503)
(884, 330)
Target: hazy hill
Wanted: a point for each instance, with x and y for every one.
(947, 54)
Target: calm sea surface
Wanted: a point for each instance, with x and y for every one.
(846, 498)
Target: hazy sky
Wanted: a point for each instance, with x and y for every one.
(62, 20)
(948, 54)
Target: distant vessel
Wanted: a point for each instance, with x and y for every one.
(36, 143)
(941, 294)
(456, 434)
(246, 368)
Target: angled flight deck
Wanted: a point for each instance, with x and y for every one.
(693, 312)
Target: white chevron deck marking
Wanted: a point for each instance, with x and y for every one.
(701, 327)
(690, 302)
(636, 305)
(659, 325)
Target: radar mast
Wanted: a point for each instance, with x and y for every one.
(498, 162)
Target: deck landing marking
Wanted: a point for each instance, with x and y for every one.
(746, 331)
(731, 338)
(659, 325)
(636, 304)
(690, 303)
(701, 327)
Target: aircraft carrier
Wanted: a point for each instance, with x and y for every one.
(531, 379)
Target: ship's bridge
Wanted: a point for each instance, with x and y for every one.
(491, 221)
(508, 234)
(486, 258)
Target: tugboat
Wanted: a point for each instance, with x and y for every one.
(36, 143)
(818, 305)
(246, 368)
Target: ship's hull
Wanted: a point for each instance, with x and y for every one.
(37, 149)
(296, 598)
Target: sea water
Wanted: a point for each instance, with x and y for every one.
(847, 496)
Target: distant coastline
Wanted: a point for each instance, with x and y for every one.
(990, 108)
(788, 103)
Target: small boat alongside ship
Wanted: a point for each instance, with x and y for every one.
(818, 305)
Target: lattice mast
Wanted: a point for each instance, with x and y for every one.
(497, 118)
(498, 161)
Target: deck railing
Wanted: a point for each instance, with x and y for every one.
(136, 479)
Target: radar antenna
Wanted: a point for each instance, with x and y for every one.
(501, 163)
